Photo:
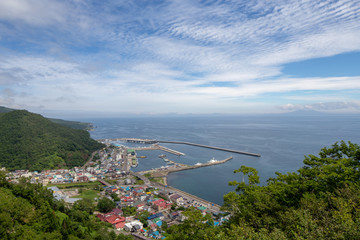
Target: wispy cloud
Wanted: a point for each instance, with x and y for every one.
(188, 55)
(323, 106)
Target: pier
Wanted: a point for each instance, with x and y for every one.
(158, 147)
(177, 167)
(132, 140)
(211, 147)
(170, 150)
(153, 141)
(187, 167)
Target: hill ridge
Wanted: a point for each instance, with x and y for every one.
(30, 141)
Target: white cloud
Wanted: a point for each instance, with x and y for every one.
(322, 106)
(35, 12)
(178, 54)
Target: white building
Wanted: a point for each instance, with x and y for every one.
(133, 226)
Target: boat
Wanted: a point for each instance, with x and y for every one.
(212, 160)
(142, 157)
(197, 164)
(162, 156)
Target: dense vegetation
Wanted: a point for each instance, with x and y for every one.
(71, 124)
(5, 109)
(29, 211)
(320, 201)
(30, 141)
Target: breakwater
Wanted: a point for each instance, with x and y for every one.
(153, 141)
(177, 167)
(158, 147)
(211, 147)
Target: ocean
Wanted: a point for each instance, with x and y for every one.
(282, 140)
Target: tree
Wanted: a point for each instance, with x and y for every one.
(129, 211)
(85, 204)
(252, 175)
(143, 217)
(115, 197)
(196, 226)
(105, 205)
(319, 201)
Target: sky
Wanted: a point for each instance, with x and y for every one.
(123, 57)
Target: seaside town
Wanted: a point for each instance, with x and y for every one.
(150, 204)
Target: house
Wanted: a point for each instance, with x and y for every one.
(159, 215)
(176, 198)
(83, 179)
(127, 199)
(133, 226)
(117, 211)
(155, 234)
(161, 204)
(120, 225)
(174, 215)
(113, 219)
(140, 207)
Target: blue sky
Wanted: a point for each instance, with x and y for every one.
(114, 57)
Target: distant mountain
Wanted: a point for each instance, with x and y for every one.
(72, 124)
(30, 141)
(5, 109)
(307, 112)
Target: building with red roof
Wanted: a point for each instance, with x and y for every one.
(161, 204)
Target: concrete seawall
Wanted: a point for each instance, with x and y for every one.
(153, 141)
(210, 147)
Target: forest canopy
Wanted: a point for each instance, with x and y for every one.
(29, 212)
(319, 201)
(30, 141)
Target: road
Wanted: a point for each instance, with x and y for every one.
(142, 177)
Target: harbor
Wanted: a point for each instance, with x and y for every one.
(157, 175)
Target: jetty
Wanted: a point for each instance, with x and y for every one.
(187, 167)
(177, 167)
(159, 147)
(155, 144)
(211, 147)
(132, 140)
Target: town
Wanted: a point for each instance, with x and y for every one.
(144, 204)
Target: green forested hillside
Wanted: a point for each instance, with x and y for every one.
(72, 124)
(5, 109)
(29, 212)
(319, 201)
(30, 141)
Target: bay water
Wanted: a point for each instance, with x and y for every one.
(282, 140)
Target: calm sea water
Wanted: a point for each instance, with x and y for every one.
(282, 140)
